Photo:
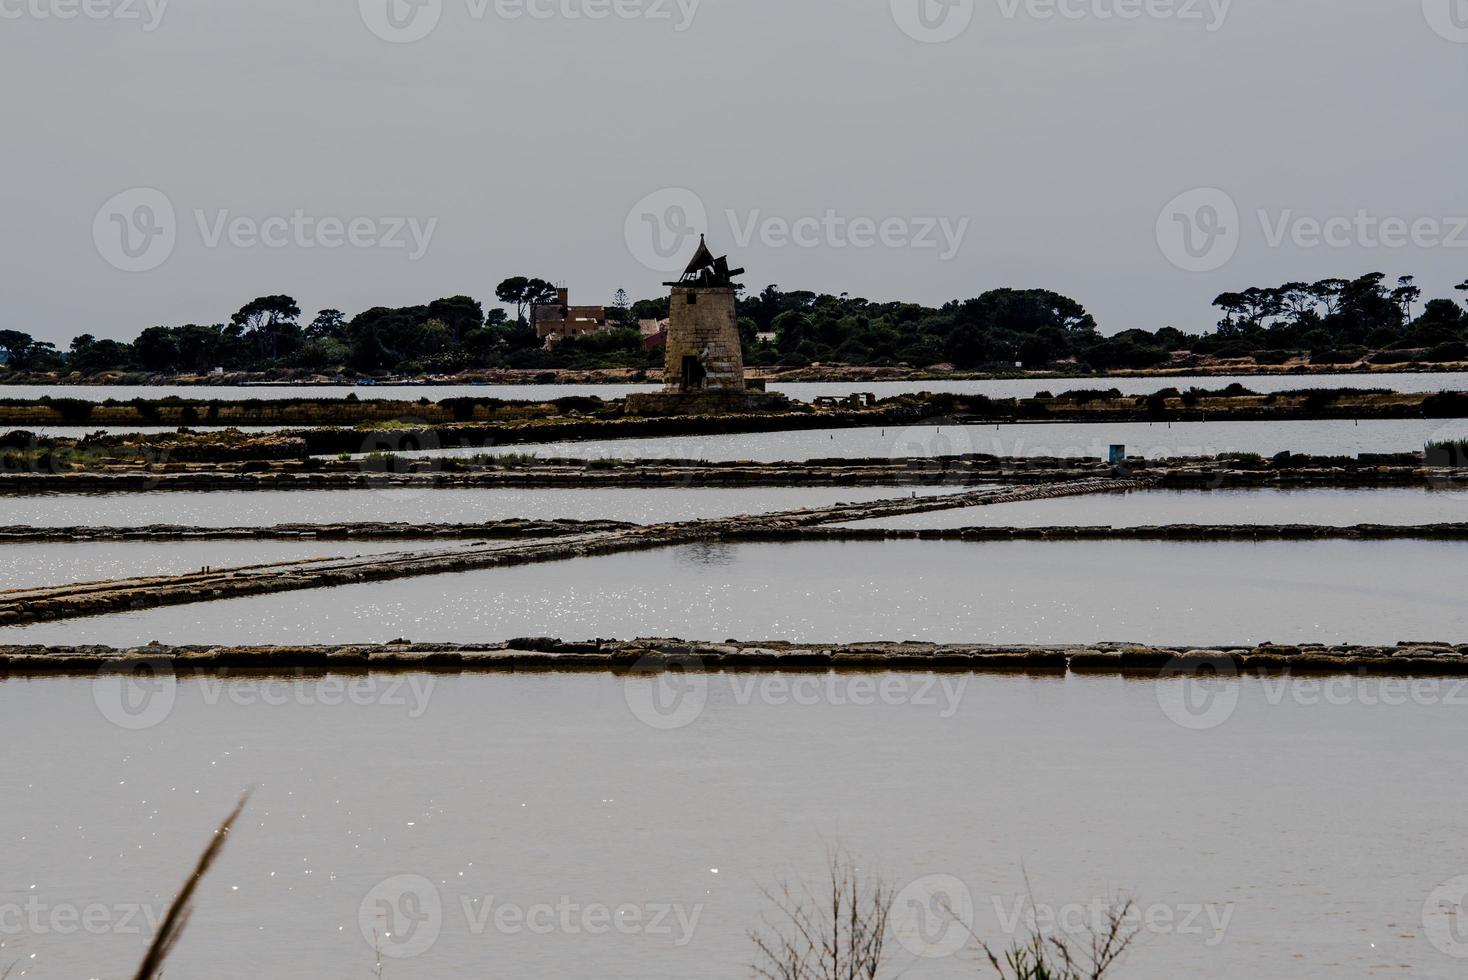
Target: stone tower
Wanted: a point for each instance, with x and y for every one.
(703, 352)
(703, 366)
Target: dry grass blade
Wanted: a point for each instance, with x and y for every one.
(836, 931)
(178, 913)
(1041, 957)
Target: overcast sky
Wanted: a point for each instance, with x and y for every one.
(862, 146)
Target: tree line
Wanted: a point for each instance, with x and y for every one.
(1334, 321)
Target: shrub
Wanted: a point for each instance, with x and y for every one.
(147, 410)
(1453, 350)
(73, 411)
(1447, 452)
(1348, 355)
(1082, 396)
(1319, 399)
(577, 403)
(1446, 405)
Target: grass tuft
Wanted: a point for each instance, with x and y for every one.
(177, 918)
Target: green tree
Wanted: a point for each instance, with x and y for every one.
(460, 314)
(269, 322)
(157, 349)
(15, 345)
(88, 355)
(1406, 293)
(328, 323)
(521, 292)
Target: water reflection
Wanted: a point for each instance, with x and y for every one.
(1332, 506)
(254, 508)
(1200, 594)
(709, 554)
(1090, 440)
(802, 391)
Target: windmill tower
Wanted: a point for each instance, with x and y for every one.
(704, 352)
(703, 366)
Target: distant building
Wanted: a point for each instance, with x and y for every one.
(654, 333)
(554, 322)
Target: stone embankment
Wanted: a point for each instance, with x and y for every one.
(1162, 532)
(329, 425)
(380, 531)
(519, 529)
(302, 411)
(1182, 368)
(22, 606)
(1285, 470)
(655, 655)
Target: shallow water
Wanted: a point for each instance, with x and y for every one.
(257, 508)
(802, 391)
(1340, 507)
(546, 790)
(1068, 439)
(1009, 592)
(55, 563)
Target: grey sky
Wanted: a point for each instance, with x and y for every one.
(529, 140)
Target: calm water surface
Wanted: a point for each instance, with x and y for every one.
(1315, 831)
(1066, 439)
(1013, 592)
(256, 508)
(28, 565)
(1392, 505)
(803, 391)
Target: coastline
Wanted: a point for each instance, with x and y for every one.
(833, 373)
